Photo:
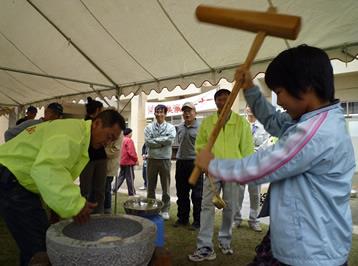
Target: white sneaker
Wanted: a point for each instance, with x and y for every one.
(201, 254)
(165, 215)
(226, 249)
(255, 226)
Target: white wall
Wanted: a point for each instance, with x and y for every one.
(4, 124)
(352, 124)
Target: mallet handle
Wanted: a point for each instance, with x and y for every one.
(255, 47)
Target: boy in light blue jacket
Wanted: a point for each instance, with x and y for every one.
(310, 167)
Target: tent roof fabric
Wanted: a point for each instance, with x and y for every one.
(131, 46)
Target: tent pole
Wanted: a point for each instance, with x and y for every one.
(134, 94)
(99, 94)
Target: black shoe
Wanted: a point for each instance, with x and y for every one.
(178, 223)
(195, 226)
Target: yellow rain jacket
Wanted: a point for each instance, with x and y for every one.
(46, 159)
(234, 141)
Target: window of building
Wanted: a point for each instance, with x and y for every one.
(353, 108)
(350, 108)
(344, 106)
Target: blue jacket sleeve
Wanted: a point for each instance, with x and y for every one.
(294, 153)
(272, 120)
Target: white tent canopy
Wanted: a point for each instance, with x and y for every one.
(123, 46)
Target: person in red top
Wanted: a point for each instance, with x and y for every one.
(129, 158)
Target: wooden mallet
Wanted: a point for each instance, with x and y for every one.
(263, 23)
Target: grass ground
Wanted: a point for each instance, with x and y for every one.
(180, 242)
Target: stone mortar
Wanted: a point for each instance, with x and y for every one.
(104, 240)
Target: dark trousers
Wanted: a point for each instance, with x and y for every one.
(24, 216)
(108, 193)
(126, 173)
(93, 182)
(264, 256)
(282, 264)
(144, 173)
(182, 174)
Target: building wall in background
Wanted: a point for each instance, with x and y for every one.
(4, 122)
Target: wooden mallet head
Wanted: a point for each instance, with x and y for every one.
(278, 25)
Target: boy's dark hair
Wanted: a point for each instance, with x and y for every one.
(221, 92)
(161, 107)
(92, 106)
(301, 68)
(111, 117)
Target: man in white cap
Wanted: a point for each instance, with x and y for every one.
(186, 135)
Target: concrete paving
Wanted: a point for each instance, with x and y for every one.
(246, 204)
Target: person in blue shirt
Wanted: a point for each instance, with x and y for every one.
(159, 137)
(311, 165)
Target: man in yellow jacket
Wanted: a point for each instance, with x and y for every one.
(42, 162)
(234, 142)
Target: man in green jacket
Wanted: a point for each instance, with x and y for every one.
(42, 162)
(234, 142)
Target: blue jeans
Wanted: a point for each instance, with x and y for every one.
(24, 216)
(207, 215)
(254, 193)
